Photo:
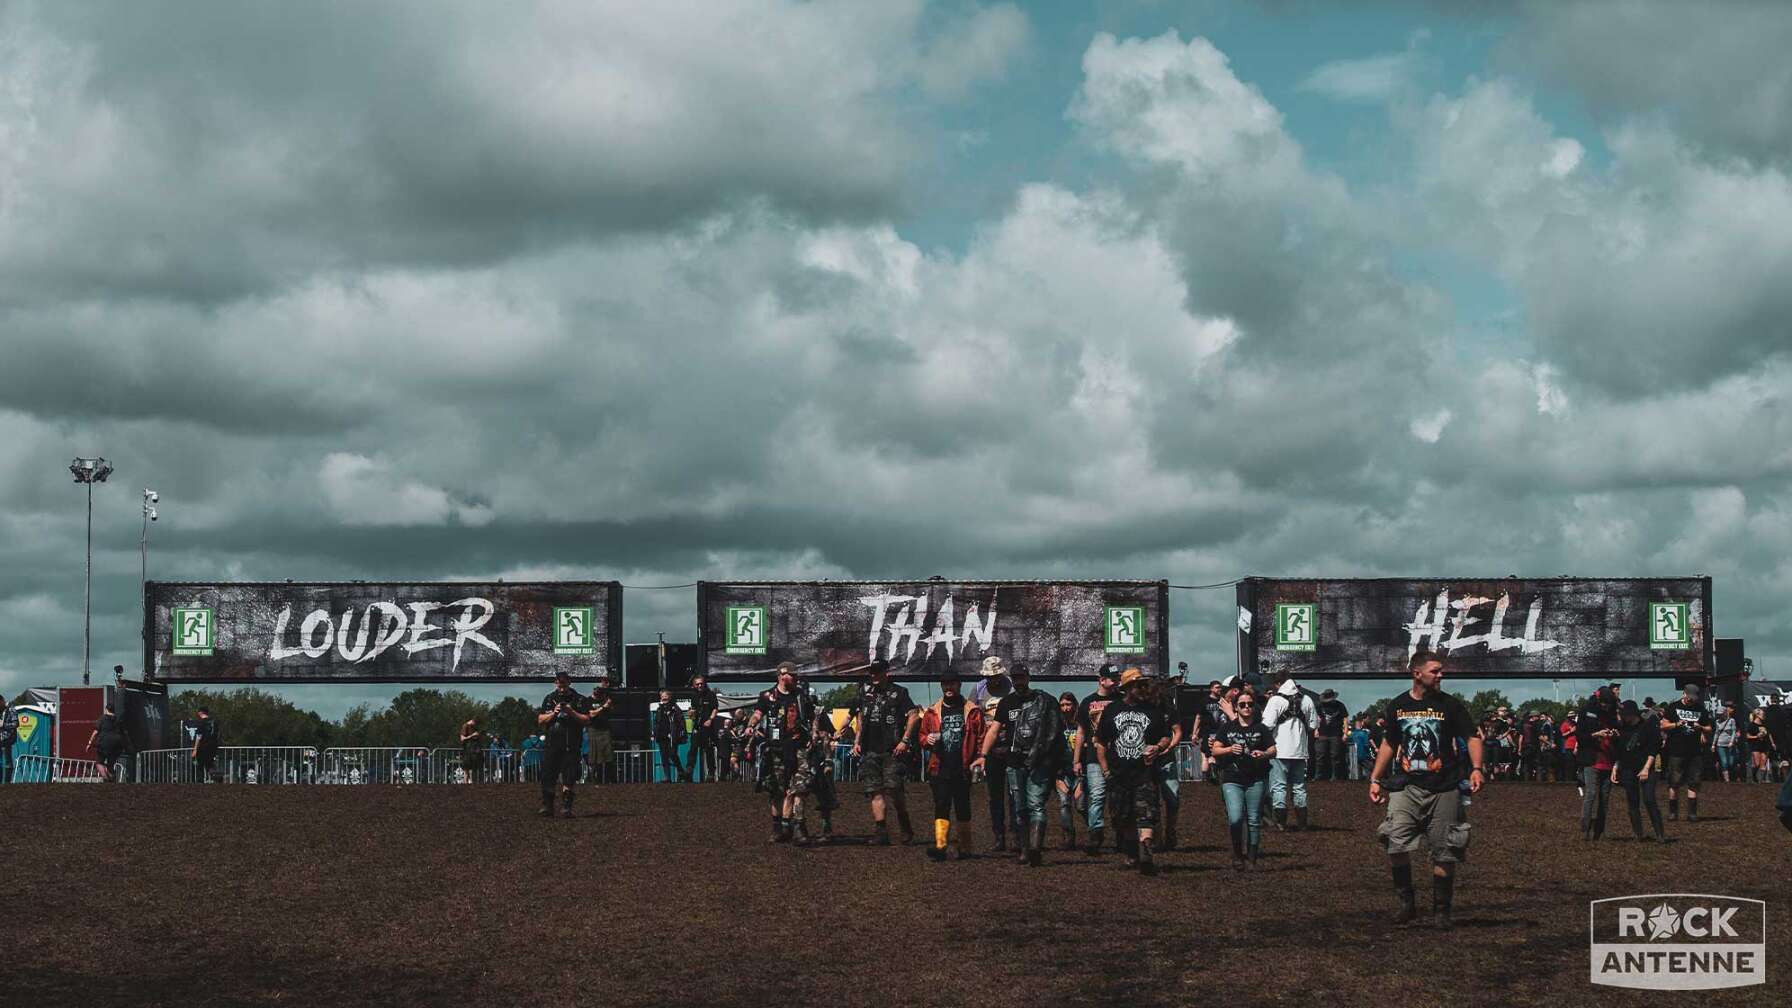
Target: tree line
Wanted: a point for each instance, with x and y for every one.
(416, 717)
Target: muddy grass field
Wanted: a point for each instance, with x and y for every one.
(670, 895)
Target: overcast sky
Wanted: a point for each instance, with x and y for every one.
(711, 289)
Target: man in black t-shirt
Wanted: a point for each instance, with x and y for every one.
(669, 734)
(562, 716)
(706, 710)
(1328, 741)
(1028, 726)
(887, 719)
(599, 741)
(784, 718)
(1215, 711)
(1423, 793)
(1095, 780)
(1685, 730)
(206, 739)
(1134, 735)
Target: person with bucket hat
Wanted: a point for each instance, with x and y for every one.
(1686, 726)
(992, 686)
(1027, 726)
(1133, 736)
(1328, 738)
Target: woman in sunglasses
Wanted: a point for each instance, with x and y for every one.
(1241, 749)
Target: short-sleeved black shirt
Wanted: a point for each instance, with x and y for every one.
(563, 732)
(883, 715)
(1127, 730)
(599, 722)
(205, 732)
(1686, 738)
(703, 707)
(1088, 717)
(1423, 734)
(1241, 768)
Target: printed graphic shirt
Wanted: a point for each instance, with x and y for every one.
(883, 714)
(950, 747)
(1088, 716)
(783, 718)
(1332, 716)
(1242, 769)
(599, 722)
(1127, 731)
(564, 731)
(1423, 734)
(1686, 737)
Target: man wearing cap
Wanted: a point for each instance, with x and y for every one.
(599, 742)
(1686, 725)
(1328, 737)
(1639, 739)
(563, 715)
(1029, 728)
(1290, 713)
(952, 734)
(1095, 779)
(1134, 735)
(992, 686)
(785, 716)
(887, 719)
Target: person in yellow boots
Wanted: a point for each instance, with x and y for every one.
(952, 733)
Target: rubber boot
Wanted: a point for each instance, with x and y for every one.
(547, 808)
(1300, 815)
(1096, 840)
(1001, 844)
(1256, 853)
(1280, 818)
(566, 806)
(1147, 865)
(1070, 838)
(827, 830)
(1661, 835)
(1441, 890)
(1035, 844)
(1408, 912)
(942, 828)
(1237, 832)
(803, 839)
(908, 831)
(778, 834)
(880, 837)
(1673, 810)
(1636, 823)
(961, 843)
(1692, 810)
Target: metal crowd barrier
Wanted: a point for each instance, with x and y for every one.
(34, 769)
(501, 766)
(230, 765)
(382, 765)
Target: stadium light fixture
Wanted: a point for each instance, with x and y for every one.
(89, 471)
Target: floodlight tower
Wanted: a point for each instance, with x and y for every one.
(89, 471)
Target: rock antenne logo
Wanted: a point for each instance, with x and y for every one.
(1678, 941)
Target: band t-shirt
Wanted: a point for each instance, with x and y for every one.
(1127, 730)
(950, 746)
(1423, 733)
(883, 716)
(1241, 768)
(1088, 717)
(1332, 716)
(564, 730)
(1686, 739)
(599, 722)
(1213, 714)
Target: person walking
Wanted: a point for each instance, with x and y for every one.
(108, 741)
(1424, 794)
(1242, 749)
(472, 752)
(784, 718)
(1639, 739)
(1724, 732)
(952, 734)
(1759, 742)
(992, 687)
(562, 716)
(1133, 735)
(1290, 713)
(1095, 780)
(1331, 725)
(1070, 779)
(206, 739)
(887, 719)
(1597, 730)
(1568, 752)
(668, 735)
(1686, 731)
(1027, 729)
(9, 734)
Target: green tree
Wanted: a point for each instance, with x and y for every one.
(427, 717)
(250, 717)
(512, 718)
(842, 695)
(1557, 710)
(1482, 704)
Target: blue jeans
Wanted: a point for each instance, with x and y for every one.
(1169, 792)
(1283, 775)
(1726, 758)
(1027, 789)
(1244, 803)
(1095, 792)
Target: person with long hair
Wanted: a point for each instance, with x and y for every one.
(1069, 783)
(1597, 730)
(1638, 742)
(1241, 749)
(1760, 747)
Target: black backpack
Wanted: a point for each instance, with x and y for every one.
(1295, 710)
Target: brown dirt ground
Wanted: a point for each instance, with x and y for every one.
(665, 895)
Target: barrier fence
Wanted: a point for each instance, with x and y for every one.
(36, 769)
(229, 765)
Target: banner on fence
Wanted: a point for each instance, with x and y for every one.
(381, 631)
(1060, 629)
(1516, 628)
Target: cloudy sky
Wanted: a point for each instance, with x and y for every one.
(704, 288)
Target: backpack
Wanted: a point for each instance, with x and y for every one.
(1295, 710)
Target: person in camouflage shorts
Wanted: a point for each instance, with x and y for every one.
(812, 780)
(784, 717)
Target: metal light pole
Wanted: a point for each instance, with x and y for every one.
(150, 498)
(89, 471)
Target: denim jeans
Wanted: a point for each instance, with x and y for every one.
(1244, 804)
(1169, 794)
(1596, 794)
(1067, 781)
(1095, 792)
(1027, 790)
(1284, 775)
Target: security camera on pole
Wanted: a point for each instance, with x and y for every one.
(89, 471)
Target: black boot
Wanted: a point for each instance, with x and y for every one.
(566, 807)
(908, 831)
(827, 830)
(1408, 912)
(1147, 865)
(880, 837)
(1441, 891)
(1256, 852)
(1692, 810)
(1095, 842)
(1070, 839)
(1300, 815)
(1001, 844)
(1036, 844)
(1673, 810)
(1237, 833)
(547, 808)
(1280, 819)
(777, 829)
